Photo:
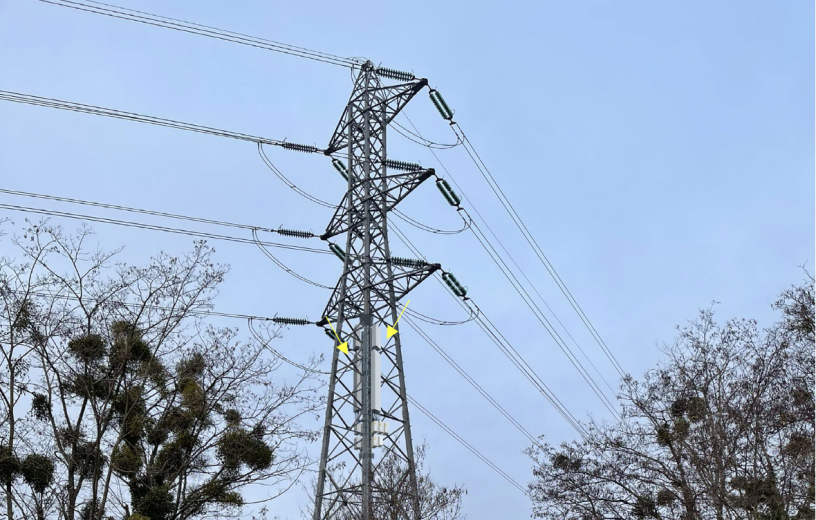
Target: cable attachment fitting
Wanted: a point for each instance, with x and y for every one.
(395, 74)
(295, 233)
(407, 262)
(454, 285)
(402, 165)
(447, 192)
(306, 148)
(338, 251)
(291, 321)
(340, 167)
(325, 321)
(441, 105)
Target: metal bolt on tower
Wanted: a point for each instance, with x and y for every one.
(367, 405)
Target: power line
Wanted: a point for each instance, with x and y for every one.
(466, 445)
(134, 210)
(274, 169)
(151, 227)
(194, 312)
(204, 30)
(253, 229)
(543, 320)
(282, 266)
(277, 354)
(418, 139)
(496, 257)
(494, 186)
(509, 351)
(142, 118)
(470, 380)
(435, 321)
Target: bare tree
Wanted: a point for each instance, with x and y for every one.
(141, 409)
(724, 429)
(19, 458)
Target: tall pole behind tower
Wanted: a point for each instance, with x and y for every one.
(367, 407)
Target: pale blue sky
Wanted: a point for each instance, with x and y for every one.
(662, 153)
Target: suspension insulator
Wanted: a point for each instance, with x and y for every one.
(454, 285)
(340, 167)
(291, 321)
(441, 105)
(295, 233)
(402, 165)
(395, 74)
(300, 147)
(450, 195)
(338, 251)
(408, 262)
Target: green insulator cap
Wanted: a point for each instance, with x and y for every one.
(340, 167)
(454, 284)
(442, 102)
(440, 105)
(450, 195)
(338, 252)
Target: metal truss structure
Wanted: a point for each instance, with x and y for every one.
(367, 406)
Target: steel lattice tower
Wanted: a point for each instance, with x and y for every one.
(367, 386)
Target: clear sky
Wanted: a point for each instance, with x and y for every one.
(662, 153)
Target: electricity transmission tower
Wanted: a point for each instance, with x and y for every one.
(367, 405)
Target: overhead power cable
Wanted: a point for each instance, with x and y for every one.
(496, 257)
(193, 312)
(434, 321)
(134, 210)
(522, 227)
(519, 288)
(464, 443)
(289, 183)
(505, 347)
(418, 139)
(152, 227)
(251, 228)
(142, 118)
(204, 30)
(277, 354)
(470, 380)
(282, 266)
(511, 277)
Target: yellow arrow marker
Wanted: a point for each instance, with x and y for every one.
(392, 330)
(343, 346)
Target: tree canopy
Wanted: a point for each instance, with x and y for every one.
(723, 429)
(118, 400)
